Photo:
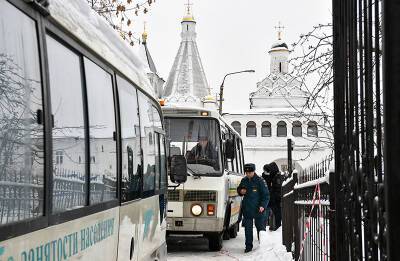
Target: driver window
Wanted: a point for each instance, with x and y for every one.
(198, 140)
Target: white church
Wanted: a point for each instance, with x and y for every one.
(277, 113)
(276, 107)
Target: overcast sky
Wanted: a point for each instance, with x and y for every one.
(231, 36)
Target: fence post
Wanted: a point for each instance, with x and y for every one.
(332, 218)
(295, 221)
(289, 151)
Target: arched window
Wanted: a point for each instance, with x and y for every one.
(281, 129)
(237, 127)
(266, 129)
(312, 129)
(251, 129)
(296, 129)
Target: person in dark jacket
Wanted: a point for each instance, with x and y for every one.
(273, 178)
(254, 204)
(203, 153)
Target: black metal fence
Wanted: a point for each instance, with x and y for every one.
(306, 212)
(358, 184)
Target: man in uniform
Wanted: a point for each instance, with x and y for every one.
(254, 204)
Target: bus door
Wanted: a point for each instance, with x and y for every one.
(131, 178)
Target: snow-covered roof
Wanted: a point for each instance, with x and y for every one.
(92, 30)
(145, 55)
(279, 44)
(278, 90)
(187, 81)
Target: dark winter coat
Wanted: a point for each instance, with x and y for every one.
(257, 196)
(208, 156)
(274, 182)
(208, 153)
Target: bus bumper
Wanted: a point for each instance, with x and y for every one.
(177, 225)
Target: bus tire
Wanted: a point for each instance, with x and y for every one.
(226, 235)
(215, 241)
(233, 230)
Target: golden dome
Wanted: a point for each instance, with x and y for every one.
(144, 36)
(188, 18)
(209, 98)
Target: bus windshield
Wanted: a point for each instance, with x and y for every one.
(199, 141)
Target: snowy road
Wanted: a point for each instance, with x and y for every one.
(271, 249)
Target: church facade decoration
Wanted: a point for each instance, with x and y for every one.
(277, 113)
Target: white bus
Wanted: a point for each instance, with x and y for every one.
(82, 149)
(207, 204)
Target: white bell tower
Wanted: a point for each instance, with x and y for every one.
(279, 54)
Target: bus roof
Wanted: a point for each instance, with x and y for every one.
(93, 30)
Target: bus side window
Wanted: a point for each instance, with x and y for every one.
(69, 141)
(130, 141)
(163, 166)
(148, 145)
(103, 171)
(21, 129)
(237, 156)
(241, 150)
(231, 162)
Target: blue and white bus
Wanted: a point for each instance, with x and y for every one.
(82, 149)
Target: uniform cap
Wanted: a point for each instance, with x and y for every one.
(249, 167)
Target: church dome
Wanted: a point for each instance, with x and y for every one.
(188, 18)
(279, 44)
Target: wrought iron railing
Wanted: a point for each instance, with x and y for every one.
(358, 185)
(306, 212)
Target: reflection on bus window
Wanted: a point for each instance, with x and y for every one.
(69, 178)
(199, 141)
(21, 138)
(147, 126)
(131, 162)
(103, 173)
(163, 174)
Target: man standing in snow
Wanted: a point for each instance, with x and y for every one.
(254, 204)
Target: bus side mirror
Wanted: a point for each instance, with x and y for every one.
(230, 149)
(178, 169)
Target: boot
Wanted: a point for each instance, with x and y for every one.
(248, 249)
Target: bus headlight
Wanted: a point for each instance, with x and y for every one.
(196, 210)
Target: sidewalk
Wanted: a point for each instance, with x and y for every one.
(271, 249)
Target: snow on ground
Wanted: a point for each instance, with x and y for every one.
(270, 249)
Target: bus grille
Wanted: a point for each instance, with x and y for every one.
(174, 195)
(200, 195)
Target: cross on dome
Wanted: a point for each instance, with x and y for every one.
(144, 34)
(189, 16)
(188, 7)
(280, 28)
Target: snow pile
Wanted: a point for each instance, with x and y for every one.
(270, 249)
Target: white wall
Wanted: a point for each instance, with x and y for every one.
(261, 150)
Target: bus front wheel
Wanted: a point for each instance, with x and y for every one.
(215, 241)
